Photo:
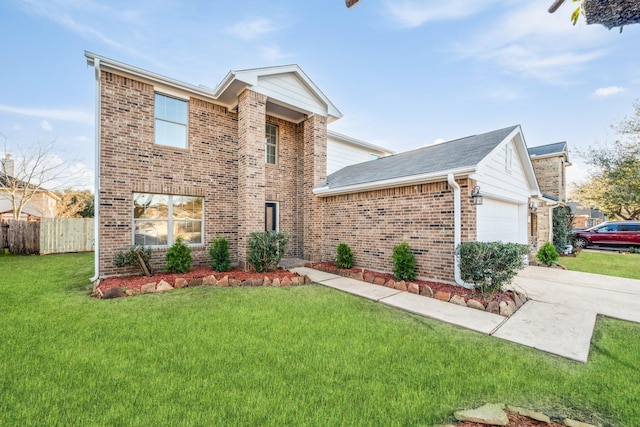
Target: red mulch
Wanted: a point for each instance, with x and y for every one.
(467, 294)
(136, 282)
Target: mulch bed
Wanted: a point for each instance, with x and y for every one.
(134, 283)
(465, 293)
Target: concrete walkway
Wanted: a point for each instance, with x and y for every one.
(558, 318)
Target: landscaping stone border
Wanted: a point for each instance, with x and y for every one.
(512, 302)
(211, 280)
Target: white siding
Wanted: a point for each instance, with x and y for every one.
(288, 89)
(495, 181)
(340, 155)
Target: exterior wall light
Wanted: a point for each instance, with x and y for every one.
(533, 207)
(476, 197)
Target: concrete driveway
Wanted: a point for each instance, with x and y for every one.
(563, 306)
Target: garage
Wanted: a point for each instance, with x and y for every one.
(498, 220)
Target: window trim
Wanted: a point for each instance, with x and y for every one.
(268, 144)
(156, 119)
(169, 220)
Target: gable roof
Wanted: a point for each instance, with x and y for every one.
(290, 92)
(431, 163)
(555, 149)
(357, 142)
(285, 85)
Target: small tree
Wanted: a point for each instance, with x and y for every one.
(30, 173)
(178, 257)
(404, 262)
(219, 254)
(547, 254)
(74, 203)
(562, 226)
(344, 256)
(266, 249)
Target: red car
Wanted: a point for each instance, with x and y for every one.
(624, 233)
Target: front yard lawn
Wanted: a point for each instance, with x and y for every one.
(610, 264)
(303, 355)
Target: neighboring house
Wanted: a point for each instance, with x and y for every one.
(177, 160)
(42, 204)
(550, 162)
(586, 217)
(344, 151)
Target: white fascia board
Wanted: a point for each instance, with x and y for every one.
(107, 63)
(356, 142)
(392, 183)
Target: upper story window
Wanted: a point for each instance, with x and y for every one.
(271, 144)
(171, 121)
(159, 219)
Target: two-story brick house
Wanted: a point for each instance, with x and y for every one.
(178, 160)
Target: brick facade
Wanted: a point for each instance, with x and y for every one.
(550, 172)
(373, 222)
(224, 163)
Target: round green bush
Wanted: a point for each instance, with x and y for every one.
(547, 254)
(344, 257)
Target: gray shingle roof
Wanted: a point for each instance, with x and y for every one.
(457, 154)
(543, 150)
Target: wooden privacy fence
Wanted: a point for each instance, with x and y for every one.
(49, 236)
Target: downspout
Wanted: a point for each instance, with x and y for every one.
(457, 228)
(96, 193)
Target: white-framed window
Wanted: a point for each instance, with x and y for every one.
(271, 144)
(171, 117)
(271, 216)
(159, 219)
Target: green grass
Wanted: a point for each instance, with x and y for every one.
(298, 356)
(610, 264)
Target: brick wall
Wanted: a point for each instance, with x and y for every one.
(550, 172)
(314, 173)
(131, 162)
(283, 182)
(224, 163)
(373, 222)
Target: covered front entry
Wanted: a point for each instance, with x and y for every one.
(501, 220)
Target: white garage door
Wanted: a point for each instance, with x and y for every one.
(498, 220)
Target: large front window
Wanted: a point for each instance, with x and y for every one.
(271, 144)
(171, 121)
(159, 219)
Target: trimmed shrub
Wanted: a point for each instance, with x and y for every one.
(178, 257)
(266, 249)
(344, 256)
(547, 254)
(136, 254)
(489, 265)
(219, 254)
(404, 262)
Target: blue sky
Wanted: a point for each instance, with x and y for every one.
(405, 73)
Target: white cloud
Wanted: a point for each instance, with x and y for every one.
(45, 125)
(252, 29)
(78, 116)
(528, 41)
(413, 13)
(608, 91)
(273, 54)
(438, 141)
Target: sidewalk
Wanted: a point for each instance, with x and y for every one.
(558, 318)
